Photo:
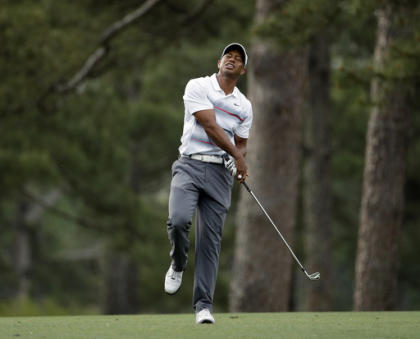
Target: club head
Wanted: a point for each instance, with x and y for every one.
(313, 276)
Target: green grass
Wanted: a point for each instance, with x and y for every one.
(352, 325)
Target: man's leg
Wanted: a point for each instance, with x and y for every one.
(210, 219)
(182, 203)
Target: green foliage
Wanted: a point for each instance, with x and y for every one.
(296, 22)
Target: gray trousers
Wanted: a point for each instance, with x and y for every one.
(206, 187)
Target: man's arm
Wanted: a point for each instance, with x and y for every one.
(241, 144)
(207, 119)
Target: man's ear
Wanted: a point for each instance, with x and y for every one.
(243, 70)
(218, 64)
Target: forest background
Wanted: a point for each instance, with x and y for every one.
(91, 114)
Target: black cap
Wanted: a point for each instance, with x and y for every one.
(238, 47)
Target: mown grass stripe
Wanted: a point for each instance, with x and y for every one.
(228, 325)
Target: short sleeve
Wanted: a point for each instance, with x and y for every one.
(242, 130)
(195, 97)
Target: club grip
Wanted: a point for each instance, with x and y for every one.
(246, 186)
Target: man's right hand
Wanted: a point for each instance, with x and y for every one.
(231, 165)
(241, 169)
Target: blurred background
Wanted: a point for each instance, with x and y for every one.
(91, 114)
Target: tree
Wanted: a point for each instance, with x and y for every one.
(317, 176)
(262, 267)
(385, 164)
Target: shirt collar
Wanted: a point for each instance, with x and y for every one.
(216, 86)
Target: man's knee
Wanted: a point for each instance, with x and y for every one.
(179, 222)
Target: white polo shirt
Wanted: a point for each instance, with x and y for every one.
(233, 113)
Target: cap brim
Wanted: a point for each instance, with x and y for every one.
(238, 47)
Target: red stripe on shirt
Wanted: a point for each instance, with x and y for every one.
(234, 115)
(205, 142)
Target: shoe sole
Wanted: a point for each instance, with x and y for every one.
(206, 322)
(173, 292)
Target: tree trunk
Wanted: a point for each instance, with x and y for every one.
(27, 217)
(384, 175)
(22, 250)
(122, 271)
(317, 200)
(121, 284)
(262, 263)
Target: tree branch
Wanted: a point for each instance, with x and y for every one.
(83, 72)
(103, 48)
(36, 211)
(118, 26)
(78, 220)
(81, 221)
(201, 8)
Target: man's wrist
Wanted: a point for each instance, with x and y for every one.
(237, 155)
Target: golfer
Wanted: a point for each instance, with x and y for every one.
(216, 124)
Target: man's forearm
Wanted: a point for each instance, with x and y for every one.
(220, 138)
(242, 150)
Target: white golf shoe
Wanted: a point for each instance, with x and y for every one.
(173, 281)
(204, 317)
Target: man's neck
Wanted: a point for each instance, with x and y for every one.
(227, 84)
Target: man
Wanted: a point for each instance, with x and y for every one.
(216, 123)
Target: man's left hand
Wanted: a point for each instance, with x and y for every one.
(229, 163)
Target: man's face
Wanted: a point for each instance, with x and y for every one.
(231, 64)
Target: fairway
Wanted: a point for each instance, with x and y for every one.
(228, 325)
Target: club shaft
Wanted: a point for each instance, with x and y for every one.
(274, 225)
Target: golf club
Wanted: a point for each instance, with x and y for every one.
(313, 276)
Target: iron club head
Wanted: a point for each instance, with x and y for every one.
(313, 276)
